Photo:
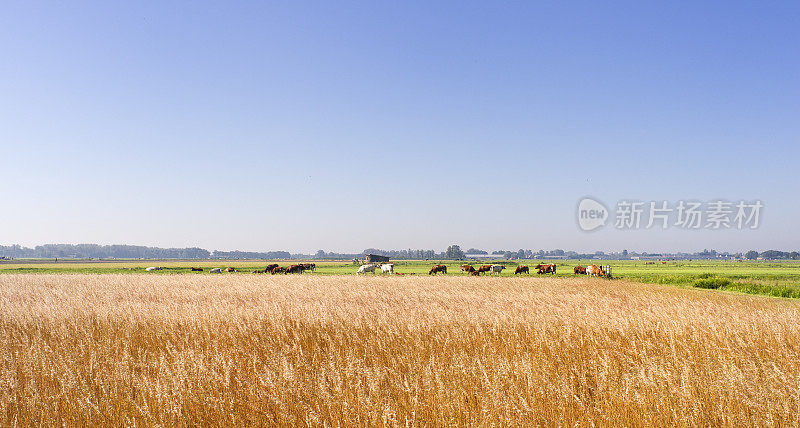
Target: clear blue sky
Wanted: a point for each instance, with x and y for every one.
(346, 125)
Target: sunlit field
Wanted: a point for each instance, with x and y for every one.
(334, 350)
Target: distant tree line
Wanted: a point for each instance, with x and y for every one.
(773, 255)
(453, 252)
(393, 254)
(95, 251)
(250, 255)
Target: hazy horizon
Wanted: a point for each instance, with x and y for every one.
(344, 126)
(464, 248)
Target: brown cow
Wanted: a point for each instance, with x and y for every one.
(277, 270)
(594, 270)
(194, 269)
(230, 269)
(294, 269)
(485, 268)
(309, 266)
(580, 270)
(548, 268)
(521, 269)
(467, 268)
(475, 273)
(270, 267)
(438, 268)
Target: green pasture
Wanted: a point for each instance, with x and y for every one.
(769, 278)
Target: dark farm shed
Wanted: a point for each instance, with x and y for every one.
(373, 258)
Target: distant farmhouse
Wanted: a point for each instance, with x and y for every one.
(374, 258)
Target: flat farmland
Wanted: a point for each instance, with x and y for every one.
(141, 349)
(773, 278)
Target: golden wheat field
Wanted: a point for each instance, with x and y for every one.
(344, 351)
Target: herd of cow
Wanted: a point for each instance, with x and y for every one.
(271, 269)
(591, 270)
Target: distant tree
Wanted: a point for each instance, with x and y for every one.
(454, 253)
(520, 254)
(320, 254)
(528, 254)
(624, 253)
(794, 255)
(775, 254)
(375, 251)
(476, 251)
(751, 255)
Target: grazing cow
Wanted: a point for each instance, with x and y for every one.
(215, 270)
(467, 268)
(548, 268)
(194, 269)
(294, 269)
(230, 269)
(152, 268)
(497, 269)
(594, 270)
(521, 269)
(366, 268)
(309, 266)
(579, 270)
(270, 267)
(277, 270)
(438, 268)
(387, 268)
(484, 268)
(475, 273)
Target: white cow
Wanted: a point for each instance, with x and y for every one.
(216, 270)
(152, 268)
(366, 268)
(497, 269)
(387, 268)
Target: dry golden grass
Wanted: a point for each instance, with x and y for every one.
(305, 350)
